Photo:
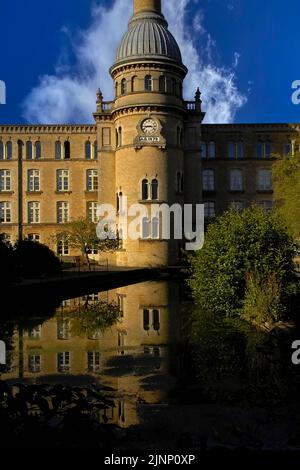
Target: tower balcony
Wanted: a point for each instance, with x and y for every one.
(107, 106)
(193, 106)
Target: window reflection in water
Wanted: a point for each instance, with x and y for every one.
(76, 346)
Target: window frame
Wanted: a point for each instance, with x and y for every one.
(5, 212)
(33, 181)
(62, 181)
(33, 212)
(92, 180)
(5, 180)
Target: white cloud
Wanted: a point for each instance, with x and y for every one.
(69, 94)
(220, 95)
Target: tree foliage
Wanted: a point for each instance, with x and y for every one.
(27, 259)
(34, 259)
(7, 261)
(236, 244)
(262, 298)
(286, 175)
(81, 235)
(93, 317)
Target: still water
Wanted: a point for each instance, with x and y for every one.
(124, 358)
(136, 356)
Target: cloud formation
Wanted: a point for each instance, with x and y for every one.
(68, 96)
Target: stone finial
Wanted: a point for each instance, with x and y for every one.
(198, 95)
(99, 100)
(198, 99)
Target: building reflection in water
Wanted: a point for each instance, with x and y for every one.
(137, 357)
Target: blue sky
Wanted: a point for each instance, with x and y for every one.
(247, 48)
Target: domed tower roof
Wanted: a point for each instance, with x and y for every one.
(148, 37)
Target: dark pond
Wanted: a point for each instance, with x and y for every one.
(121, 369)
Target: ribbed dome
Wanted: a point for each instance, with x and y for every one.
(148, 37)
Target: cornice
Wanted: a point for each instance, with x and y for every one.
(147, 108)
(48, 129)
(252, 126)
(145, 64)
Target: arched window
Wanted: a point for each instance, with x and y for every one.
(146, 319)
(145, 228)
(154, 190)
(123, 86)
(5, 150)
(179, 137)
(88, 150)
(57, 150)
(116, 89)
(38, 150)
(145, 190)
(117, 138)
(120, 202)
(120, 137)
(134, 84)
(29, 150)
(162, 84)
(148, 83)
(9, 150)
(155, 318)
(155, 228)
(95, 150)
(67, 148)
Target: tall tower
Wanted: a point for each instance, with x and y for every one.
(149, 137)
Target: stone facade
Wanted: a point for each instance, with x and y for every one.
(146, 145)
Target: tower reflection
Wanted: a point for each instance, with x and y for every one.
(136, 356)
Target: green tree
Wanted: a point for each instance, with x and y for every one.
(81, 235)
(286, 175)
(236, 244)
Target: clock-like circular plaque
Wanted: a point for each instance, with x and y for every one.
(149, 126)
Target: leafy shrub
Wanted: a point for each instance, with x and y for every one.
(263, 298)
(236, 244)
(7, 261)
(34, 260)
